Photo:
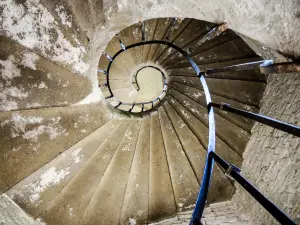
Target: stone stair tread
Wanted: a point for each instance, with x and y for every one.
(159, 195)
(197, 155)
(70, 204)
(198, 95)
(135, 204)
(35, 137)
(201, 132)
(184, 181)
(36, 191)
(233, 135)
(112, 186)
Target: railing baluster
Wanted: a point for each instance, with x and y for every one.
(102, 71)
(143, 105)
(117, 106)
(239, 67)
(289, 128)
(131, 108)
(121, 43)
(107, 56)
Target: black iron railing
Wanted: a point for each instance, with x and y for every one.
(266, 66)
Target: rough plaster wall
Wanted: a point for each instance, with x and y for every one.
(272, 157)
(273, 23)
(12, 214)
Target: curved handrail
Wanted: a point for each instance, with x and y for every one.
(211, 137)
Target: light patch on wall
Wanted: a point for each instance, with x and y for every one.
(132, 221)
(65, 19)
(76, 155)
(184, 113)
(20, 124)
(8, 68)
(6, 95)
(42, 85)
(29, 60)
(197, 95)
(33, 105)
(20, 22)
(15, 92)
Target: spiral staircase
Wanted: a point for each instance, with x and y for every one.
(137, 156)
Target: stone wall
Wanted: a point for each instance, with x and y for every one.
(275, 24)
(272, 157)
(12, 214)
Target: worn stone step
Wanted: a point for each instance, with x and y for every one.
(63, 14)
(83, 13)
(233, 135)
(231, 50)
(195, 30)
(197, 47)
(184, 181)
(42, 36)
(29, 80)
(32, 138)
(105, 205)
(175, 30)
(199, 96)
(135, 204)
(201, 132)
(161, 199)
(161, 30)
(70, 204)
(36, 191)
(247, 92)
(220, 188)
(150, 27)
(250, 75)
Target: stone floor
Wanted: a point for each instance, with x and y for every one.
(224, 213)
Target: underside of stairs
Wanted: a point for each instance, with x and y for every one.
(97, 134)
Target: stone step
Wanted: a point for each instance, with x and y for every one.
(106, 203)
(29, 80)
(177, 27)
(231, 134)
(70, 204)
(42, 36)
(247, 92)
(199, 96)
(135, 204)
(196, 154)
(184, 181)
(162, 27)
(161, 198)
(35, 192)
(194, 31)
(32, 138)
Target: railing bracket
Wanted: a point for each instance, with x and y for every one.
(222, 105)
(230, 168)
